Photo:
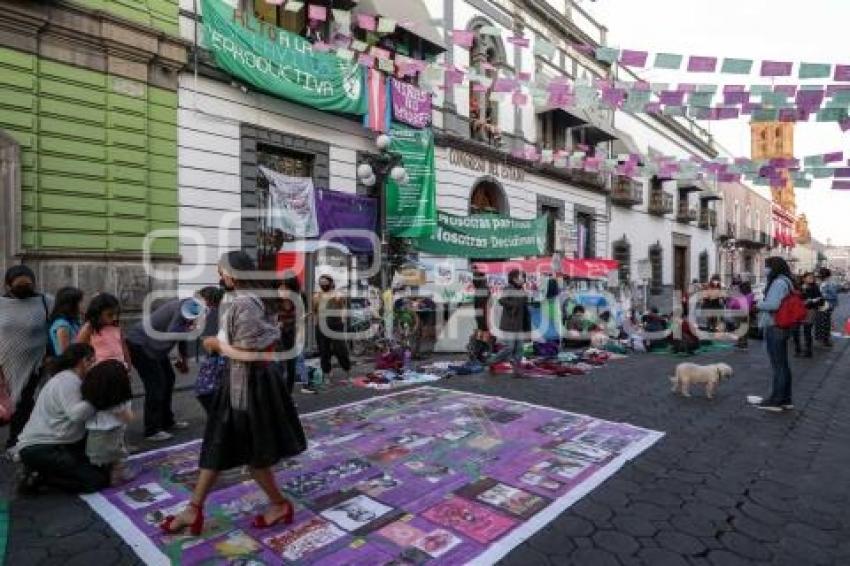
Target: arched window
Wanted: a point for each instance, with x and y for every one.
(656, 258)
(486, 57)
(622, 252)
(488, 197)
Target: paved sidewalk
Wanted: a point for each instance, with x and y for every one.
(727, 485)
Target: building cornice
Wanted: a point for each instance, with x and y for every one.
(93, 39)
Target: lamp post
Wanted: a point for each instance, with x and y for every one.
(730, 247)
(374, 172)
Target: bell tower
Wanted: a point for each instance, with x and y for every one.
(775, 140)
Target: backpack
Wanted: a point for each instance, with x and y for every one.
(792, 311)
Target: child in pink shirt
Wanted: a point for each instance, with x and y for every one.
(102, 331)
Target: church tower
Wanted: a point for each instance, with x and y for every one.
(772, 140)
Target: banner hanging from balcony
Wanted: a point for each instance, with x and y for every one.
(412, 206)
(281, 63)
(485, 236)
(411, 105)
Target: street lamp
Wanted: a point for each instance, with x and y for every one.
(374, 172)
(731, 248)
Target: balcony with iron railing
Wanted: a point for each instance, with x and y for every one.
(728, 230)
(626, 191)
(660, 202)
(707, 218)
(685, 214)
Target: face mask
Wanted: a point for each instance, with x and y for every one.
(325, 287)
(21, 291)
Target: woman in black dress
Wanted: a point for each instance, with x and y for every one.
(253, 421)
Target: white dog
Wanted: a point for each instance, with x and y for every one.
(710, 375)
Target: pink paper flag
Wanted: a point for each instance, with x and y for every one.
(519, 41)
(734, 88)
(365, 60)
(842, 173)
(732, 98)
(321, 47)
(832, 89)
(379, 53)
(842, 73)
(671, 98)
(776, 68)
(833, 157)
(524, 76)
(653, 108)
(686, 87)
(591, 164)
(504, 85)
(453, 77)
(487, 66)
(697, 64)
(845, 125)
(788, 90)
(366, 22)
(841, 185)
(317, 13)
(724, 113)
(520, 99)
(750, 107)
(629, 58)
(463, 38)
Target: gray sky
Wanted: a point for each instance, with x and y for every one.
(813, 31)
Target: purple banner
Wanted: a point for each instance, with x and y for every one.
(344, 211)
(411, 105)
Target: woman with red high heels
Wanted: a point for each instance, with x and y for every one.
(252, 420)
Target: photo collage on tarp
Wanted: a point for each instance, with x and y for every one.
(425, 476)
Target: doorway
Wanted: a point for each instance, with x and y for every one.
(680, 268)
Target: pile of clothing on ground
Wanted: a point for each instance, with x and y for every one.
(543, 363)
(389, 379)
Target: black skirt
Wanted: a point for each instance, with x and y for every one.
(268, 431)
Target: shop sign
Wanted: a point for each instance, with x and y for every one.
(485, 166)
(281, 63)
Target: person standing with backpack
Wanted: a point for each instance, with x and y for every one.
(773, 321)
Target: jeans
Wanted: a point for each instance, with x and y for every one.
(330, 347)
(513, 350)
(806, 330)
(66, 467)
(158, 378)
(776, 341)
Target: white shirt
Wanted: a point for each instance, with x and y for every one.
(60, 414)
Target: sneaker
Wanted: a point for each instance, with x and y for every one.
(160, 436)
(766, 406)
(309, 390)
(179, 425)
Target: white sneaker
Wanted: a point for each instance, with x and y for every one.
(180, 425)
(161, 436)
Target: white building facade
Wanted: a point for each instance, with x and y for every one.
(226, 130)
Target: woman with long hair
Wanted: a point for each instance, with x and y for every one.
(780, 284)
(253, 421)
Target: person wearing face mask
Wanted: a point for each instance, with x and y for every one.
(24, 316)
(328, 306)
(515, 322)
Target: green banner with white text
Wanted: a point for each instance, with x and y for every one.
(281, 63)
(412, 205)
(485, 236)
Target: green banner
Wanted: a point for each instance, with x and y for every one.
(281, 63)
(485, 236)
(412, 206)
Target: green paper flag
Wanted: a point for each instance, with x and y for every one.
(667, 61)
(815, 71)
(757, 90)
(703, 99)
(607, 54)
(765, 115)
(737, 66)
(832, 115)
(813, 160)
(286, 67)
(411, 207)
(674, 111)
(707, 88)
(803, 183)
(821, 172)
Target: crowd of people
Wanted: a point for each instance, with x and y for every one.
(69, 430)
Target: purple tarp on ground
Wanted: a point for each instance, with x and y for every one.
(425, 476)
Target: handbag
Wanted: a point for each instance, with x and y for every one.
(210, 375)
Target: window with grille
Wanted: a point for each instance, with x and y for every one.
(656, 282)
(622, 252)
(286, 162)
(703, 267)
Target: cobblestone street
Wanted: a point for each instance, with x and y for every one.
(726, 485)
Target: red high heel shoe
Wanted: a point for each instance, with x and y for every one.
(287, 517)
(195, 527)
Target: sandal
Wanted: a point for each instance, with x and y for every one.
(287, 517)
(195, 527)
